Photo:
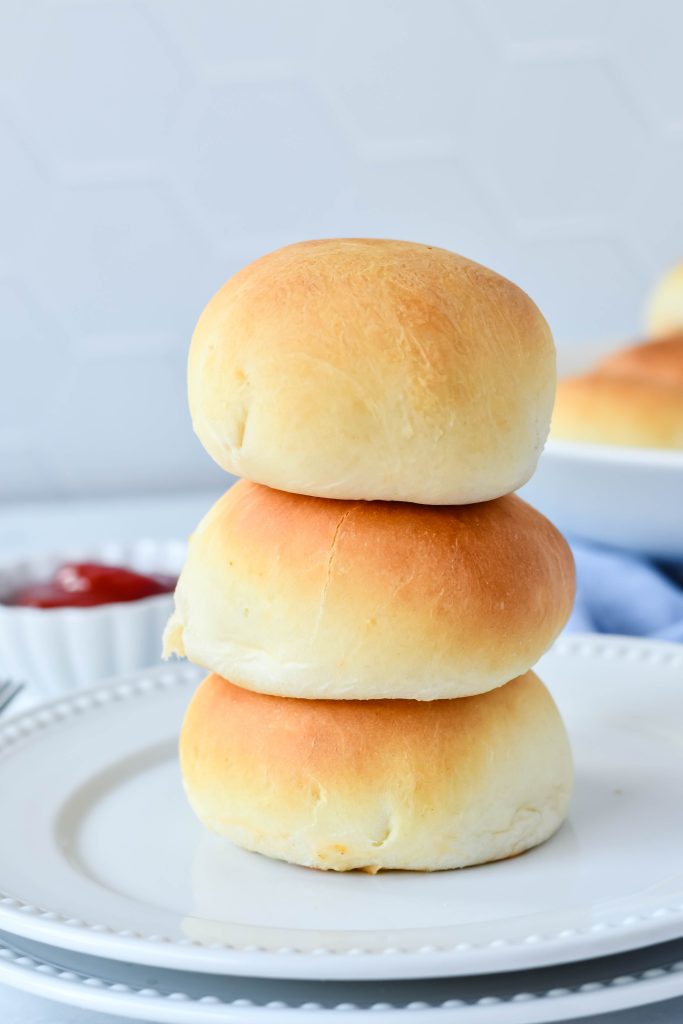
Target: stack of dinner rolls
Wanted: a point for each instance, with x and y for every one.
(370, 598)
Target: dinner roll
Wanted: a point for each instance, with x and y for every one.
(619, 409)
(665, 313)
(660, 362)
(367, 368)
(339, 785)
(307, 597)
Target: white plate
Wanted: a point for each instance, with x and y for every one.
(625, 497)
(101, 855)
(577, 990)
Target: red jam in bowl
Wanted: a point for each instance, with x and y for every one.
(85, 584)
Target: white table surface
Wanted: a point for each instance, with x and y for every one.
(26, 528)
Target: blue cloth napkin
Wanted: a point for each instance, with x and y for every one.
(622, 593)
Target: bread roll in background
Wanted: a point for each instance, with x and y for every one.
(307, 597)
(619, 409)
(378, 784)
(659, 362)
(366, 368)
(665, 312)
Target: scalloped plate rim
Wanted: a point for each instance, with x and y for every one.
(425, 961)
(639, 987)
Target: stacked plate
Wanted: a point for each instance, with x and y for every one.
(113, 898)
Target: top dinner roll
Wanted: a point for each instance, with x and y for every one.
(302, 597)
(375, 369)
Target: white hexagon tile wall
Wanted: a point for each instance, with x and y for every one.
(148, 148)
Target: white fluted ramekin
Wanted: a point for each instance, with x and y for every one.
(55, 650)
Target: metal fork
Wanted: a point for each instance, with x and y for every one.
(8, 691)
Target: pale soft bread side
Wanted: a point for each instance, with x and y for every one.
(659, 362)
(601, 408)
(366, 368)
(665, 311)
(339, 785)
(307, 597)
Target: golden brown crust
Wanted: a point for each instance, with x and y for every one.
(378, 784)
(309, 597)
(657, 362)
(619, 409)
(375, 369)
